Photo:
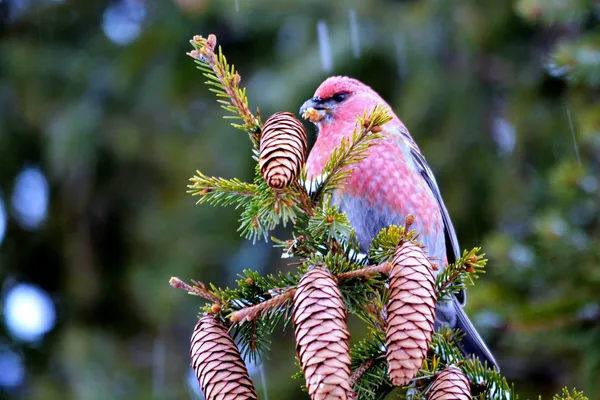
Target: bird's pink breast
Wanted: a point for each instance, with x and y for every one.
(387, 179)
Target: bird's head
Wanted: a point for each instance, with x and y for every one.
(338, 99)
(337, 103)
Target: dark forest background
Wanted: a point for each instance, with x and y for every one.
(103, 118)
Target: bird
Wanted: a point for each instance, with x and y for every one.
(391, 182)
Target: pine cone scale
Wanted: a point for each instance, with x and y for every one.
(322, 336)
(410, 312)
(220, 371)
(282, 150)
(450, 384)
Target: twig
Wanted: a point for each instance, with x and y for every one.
(250, 313)
(448, 282)
(378, 314)
(199, 290)
(360, 371)
(381, 269)
(304, 197)
(228, 77)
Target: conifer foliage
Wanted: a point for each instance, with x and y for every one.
(393, 290)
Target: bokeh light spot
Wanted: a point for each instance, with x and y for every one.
(30, 198)
(504, 134)
(194, 388)
(122, 21)
(29, 312)
(13, 370)
(521, 255)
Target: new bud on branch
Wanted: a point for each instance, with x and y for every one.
(283, 145)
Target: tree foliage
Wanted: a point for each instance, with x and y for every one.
(323, 236)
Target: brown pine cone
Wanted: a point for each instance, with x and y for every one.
(282, 153)
(322, 336)
(216, 359)
(410, 312)
(450, 384)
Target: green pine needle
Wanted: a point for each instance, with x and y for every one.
(384, 245)
(573, 395)
(457, 276)
(221, 192)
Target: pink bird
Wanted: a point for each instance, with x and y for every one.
(393, 181)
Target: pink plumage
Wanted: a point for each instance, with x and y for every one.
(394, 180)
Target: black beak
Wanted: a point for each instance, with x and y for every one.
(316, 103)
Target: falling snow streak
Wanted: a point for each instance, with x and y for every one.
(575, 144)
(324, 46)
(400, 43)
(263, 381)
(354, 36)
(158, 368)
(3, 220)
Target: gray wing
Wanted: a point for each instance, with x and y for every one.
(452, 248)
(451, 312)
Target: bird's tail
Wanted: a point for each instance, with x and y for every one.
(472, 343)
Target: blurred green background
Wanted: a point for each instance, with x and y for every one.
(103, 118)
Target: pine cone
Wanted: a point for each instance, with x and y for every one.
(450, 384)
(283, 145)
(216, 359)
(322, 336)
(410, 312)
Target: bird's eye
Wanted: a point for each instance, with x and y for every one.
(339, 97)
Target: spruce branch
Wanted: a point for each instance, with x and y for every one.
(360, 371)
(269, 304)
(566, 395)
(328, 224)
(489, 381)
(219, 191)
(445, 345)
(384, 245)
(369, 379)
(252, 312)
(301, 195)
(225, 83)
(199, 289)
(366, 272)
(269, 208)
(457, 276)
